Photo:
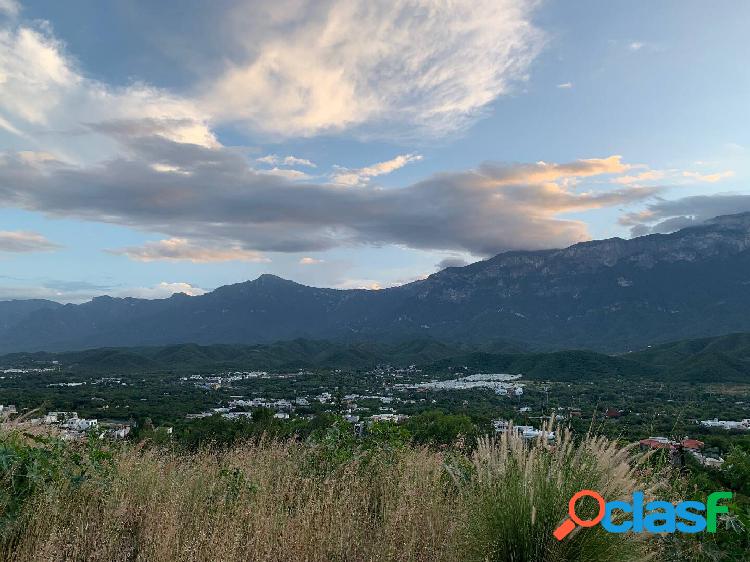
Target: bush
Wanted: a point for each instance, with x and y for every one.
(31, 465)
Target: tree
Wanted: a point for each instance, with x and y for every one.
(438, 428)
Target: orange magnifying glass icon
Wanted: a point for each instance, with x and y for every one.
(569, 524)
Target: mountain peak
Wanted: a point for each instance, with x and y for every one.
(264, 283)
(270, 278)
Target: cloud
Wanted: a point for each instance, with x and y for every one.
(425, 69)
(309, 261)
(363, 175)
(541, 172)
(24, 292)
(734, 147)
(368, 284)
(161, 291)
(675, 177)
(665, 216)
(46, 99)
(650, 175)
(67, 286)
(274, 160)
(413, 67)
(82, 291)
(452, 261)
(375, 285)
(709, 178)
(296, 175)
(180, 249)
(636, 45)
(10, 7)
(565, 85)
(288, 173)
(24, 242)
(220, 199)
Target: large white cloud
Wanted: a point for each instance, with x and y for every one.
(47, 103)
(412, 66)
(160, 291)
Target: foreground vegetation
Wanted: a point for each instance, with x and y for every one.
(305, 488)
(332, 498)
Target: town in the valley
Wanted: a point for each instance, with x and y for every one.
(686, 419)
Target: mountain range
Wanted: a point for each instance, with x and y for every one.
(611, 295)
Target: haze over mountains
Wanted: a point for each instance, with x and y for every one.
(608, 295)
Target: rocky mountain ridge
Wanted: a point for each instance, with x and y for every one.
(609, 295)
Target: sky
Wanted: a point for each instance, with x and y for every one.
(148, 148)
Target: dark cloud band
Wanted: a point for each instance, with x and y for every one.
(212, 195)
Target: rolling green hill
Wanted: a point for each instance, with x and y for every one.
(294, 354)
(720, 359)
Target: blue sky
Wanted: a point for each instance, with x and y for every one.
(147, 148)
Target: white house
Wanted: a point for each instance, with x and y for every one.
(395, 418)
(7, 410)
(725, 424)
(80, 424)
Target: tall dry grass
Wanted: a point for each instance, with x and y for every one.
(272, 501)
(258, 502)
(520, 495)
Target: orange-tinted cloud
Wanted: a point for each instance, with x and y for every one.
(19, 242)
(180, 249)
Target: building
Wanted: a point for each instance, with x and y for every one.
(59, 417)
(393, 418)
(501, 426)
(656, 443)
(120, 433)
(692, 444)
(77, 424)
(8, 410)
(528, 432)
(710, 462)
(677, 450)
(729, 425)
